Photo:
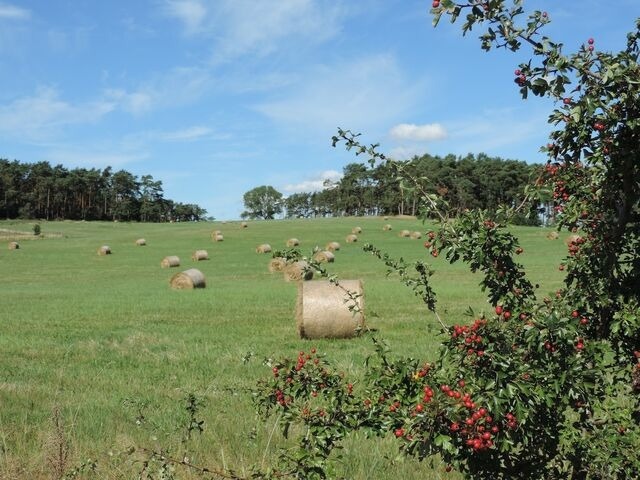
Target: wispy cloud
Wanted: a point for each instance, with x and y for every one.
(314, 184)
(427, 132)
(190, 13)
(11, 12)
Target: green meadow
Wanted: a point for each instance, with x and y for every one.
(104, 347)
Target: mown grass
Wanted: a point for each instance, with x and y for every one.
(107, 342)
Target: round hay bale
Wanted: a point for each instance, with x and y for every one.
(264, 248)
(415, 235)
(277, 264)
(218, 238)
(14, 245)
(351, 238)
(553, 235)
(187, 280)
(104, 250)
(387, 227)
(404, 234)
(200, 255)
(214, 234)
(386, 218)
(141, 242)
(356, 230)
(297, 271)
(324, 257)
(293, 242)
(322, 309)
(170, 261)
(332, 246)
(244, 224)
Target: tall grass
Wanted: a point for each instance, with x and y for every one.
(103, 344)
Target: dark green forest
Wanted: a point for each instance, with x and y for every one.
(40, 191)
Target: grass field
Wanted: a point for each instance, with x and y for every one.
(105, 341)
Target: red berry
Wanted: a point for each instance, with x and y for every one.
(590, 41)
(567, 101)
(435, 4)
(461, 383)
(498, 310)
(399, 432)
(419, 408)
(507, 315)
(590, 48)
(517, 72)
(575, 314)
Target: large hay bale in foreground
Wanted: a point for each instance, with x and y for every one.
(170, 261)
(323, 309)
(297, 271)
(218, 238)
(14, 246)
(332, 246)
(356, 230)
(104, 250)
(553, 235)
(351, 238)
(200, 255)
(293, 242)
(141, 242)
(277, 264)
(387, 227)
(187, 280)
(405, 234)
(415, 235)
(324, 257)
(264, 248)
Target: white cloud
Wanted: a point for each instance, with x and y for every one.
(428, 132)
(136, 103)
(11, 12)
(187, 134)
(190, 12)
(314, 184)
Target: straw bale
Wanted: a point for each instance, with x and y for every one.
(104, 250)
(141, 242)
(324, 256)
(322, 309)
(553, 235)
(415, 235)
(14, 246)
(405, 234)
(214, 234)
(170, 261)
(293, 242)
(244, 224)
(351, 238)
(189, 279)
(387, 227)
(264, 248)
(277, 264)
(200, 255)
(356, 230)
(332, 246)
(218, 238)
(386, 218)
(297, 271)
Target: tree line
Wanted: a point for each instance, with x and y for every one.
(39, 190)
(473, 181)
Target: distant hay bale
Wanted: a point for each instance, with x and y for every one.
(332, 246)
(351, 238)
(293, 242)
(170, 261)
(386, 218)
(277, 264)
(264, 248)
(356, 230)
(200, 255)
(218, 238)
(323, 309)
(189, 279)
(141, 242)
(215, 234)
(297, 271)
(405, 234)
(415, 235)
(104, 250)
(573, 238)
(14, 246)
(324, 257)
(387, 227)
(553, 235)
(244, 224)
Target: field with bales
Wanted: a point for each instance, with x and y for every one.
(98, 353)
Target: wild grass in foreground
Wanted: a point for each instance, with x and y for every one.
(98, 354)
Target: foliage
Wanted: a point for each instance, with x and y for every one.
(262, 202)
(37, 229)
(539, 388)
(55, 193)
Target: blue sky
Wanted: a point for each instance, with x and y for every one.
(215, 97)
